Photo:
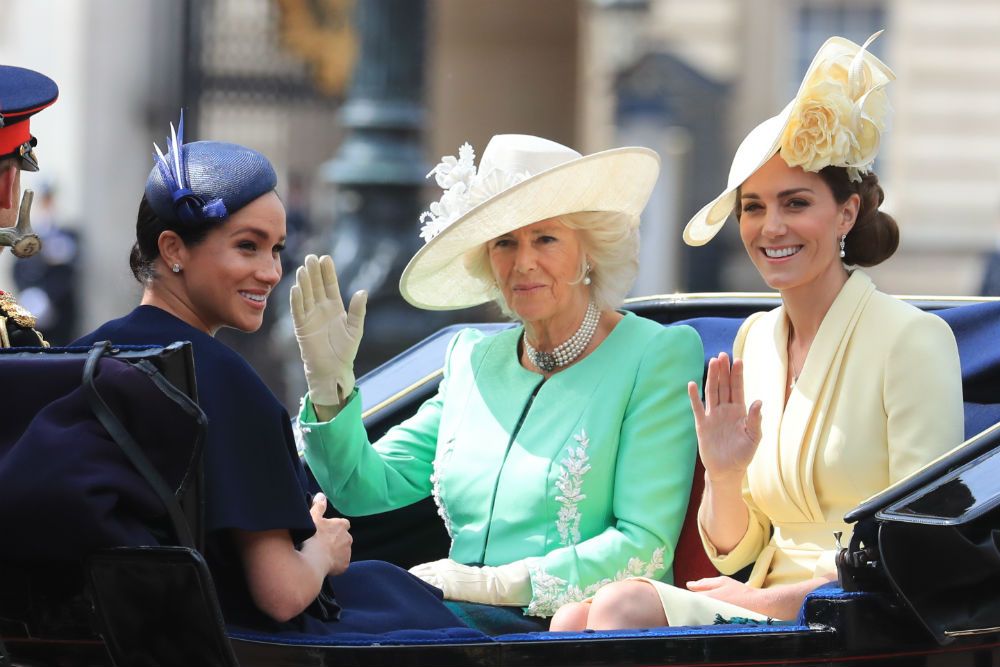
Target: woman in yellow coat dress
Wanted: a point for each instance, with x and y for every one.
(833, 396)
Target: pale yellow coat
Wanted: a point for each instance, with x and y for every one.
(879, 396)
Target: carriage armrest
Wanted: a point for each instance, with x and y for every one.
(157, 605)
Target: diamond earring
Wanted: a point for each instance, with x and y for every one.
(843, 240)
(176, 268)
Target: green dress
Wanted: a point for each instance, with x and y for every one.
(585, 476)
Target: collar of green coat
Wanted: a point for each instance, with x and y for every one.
(506, 344)
(506, 386)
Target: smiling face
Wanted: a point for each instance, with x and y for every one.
(791, 225)
(229, 275)
(536, 267)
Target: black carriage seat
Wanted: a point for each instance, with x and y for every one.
(977, 330)
(971, 324)
(100, 506)
(101, 440)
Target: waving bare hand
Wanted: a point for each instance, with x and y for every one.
(328, 335)
(728, 434)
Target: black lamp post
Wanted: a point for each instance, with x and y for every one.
(378, 172)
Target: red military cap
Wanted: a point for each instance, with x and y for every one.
(23, 93)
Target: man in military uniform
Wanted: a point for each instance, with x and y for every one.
(23, 93)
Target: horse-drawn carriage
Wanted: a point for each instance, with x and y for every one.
(119, 447)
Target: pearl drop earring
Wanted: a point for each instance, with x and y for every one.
(586, 275)
(843, 240)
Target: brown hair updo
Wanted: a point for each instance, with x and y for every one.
(875, 235)
(148, 227)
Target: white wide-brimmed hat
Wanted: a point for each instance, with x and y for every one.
(521, 179)
(836, 118)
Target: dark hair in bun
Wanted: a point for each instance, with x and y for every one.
(875, 235)
(149, 226)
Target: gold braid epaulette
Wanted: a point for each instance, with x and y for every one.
(15, 311)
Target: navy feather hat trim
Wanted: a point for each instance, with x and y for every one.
(205, 180)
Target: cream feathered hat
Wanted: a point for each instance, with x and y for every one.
(521, 179)
(836, 118)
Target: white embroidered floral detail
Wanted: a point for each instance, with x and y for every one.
(439, 463)
(299, 431)
(570, 487)
(464, 189)
(550, 592)
(298, 435)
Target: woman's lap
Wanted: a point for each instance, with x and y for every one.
(684, 607)
(377, 597)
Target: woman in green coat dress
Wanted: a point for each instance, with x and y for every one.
(560, 452)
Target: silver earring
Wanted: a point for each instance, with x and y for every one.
(176, 268)
(843, 240)
(586, 275)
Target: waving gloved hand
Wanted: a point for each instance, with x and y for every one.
(503, 585)
(328, 336)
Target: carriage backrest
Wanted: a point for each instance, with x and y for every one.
(977, 331)
(97, 448)
(98, 444)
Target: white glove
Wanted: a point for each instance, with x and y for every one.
(328, 336)
(503, 585)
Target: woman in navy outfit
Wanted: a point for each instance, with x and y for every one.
(209, 233)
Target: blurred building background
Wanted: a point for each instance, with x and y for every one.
(354, 101)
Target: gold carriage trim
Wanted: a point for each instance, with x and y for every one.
(15, 311)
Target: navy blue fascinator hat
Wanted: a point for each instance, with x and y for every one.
(192, 189)
(205, 180)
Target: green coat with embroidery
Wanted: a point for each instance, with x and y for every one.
(585, 475)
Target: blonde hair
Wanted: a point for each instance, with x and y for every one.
(610, 243)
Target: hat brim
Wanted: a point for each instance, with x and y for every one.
(764, 141)
(614, 181)
(758, 147)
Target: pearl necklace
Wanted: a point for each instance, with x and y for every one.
(568, 351)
